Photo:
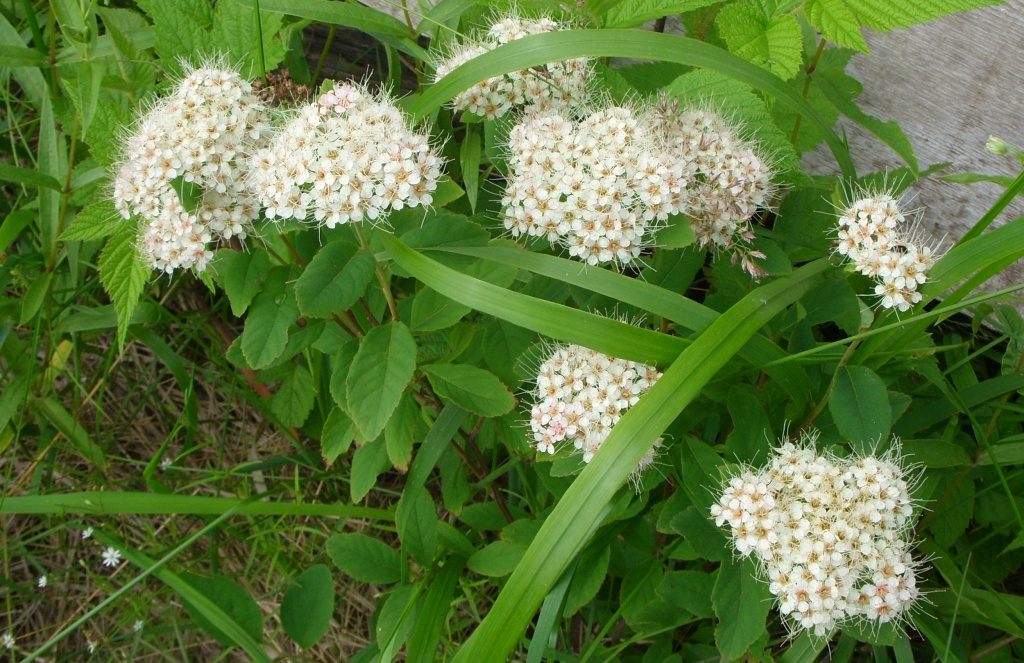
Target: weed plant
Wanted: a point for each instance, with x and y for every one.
(510, 349)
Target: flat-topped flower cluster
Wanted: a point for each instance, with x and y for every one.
(581, 394)
(201, 134)
(550, 86)
(346, 157)
(832, 536)
(874, 237)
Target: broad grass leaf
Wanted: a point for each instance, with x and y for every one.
(334, 279)
(741, 602)
(272, 313)
(471, 388)
(365, 558)
(242, 275)
(859, 404)
(123, 275)
(308, 605)
(337, 435)
(380, 371)
(294, 398)
(416, 519)
(395, 620)
(52, 410)
(231, 598)
(426, 633)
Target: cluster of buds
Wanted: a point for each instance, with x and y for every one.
(832, 536)
(597, 187)
(346, 157)
(581, 394)
(873, 236)
(201, 136)
(553, 85)
(731, 181)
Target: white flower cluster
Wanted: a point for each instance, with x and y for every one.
(831, 535)
(581, 394)
(598, 187)
(554, 85)
(873, 237)
(731, 182)
(202, 133)
(348, 156)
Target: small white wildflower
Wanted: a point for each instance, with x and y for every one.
(91, 646)
(111, 557)
(165, 463)
(138, 625)
(7, 640)
(86, 533)
(42, 582)
(552, 86)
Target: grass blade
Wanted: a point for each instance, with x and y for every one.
(580, 510)
(536, 50)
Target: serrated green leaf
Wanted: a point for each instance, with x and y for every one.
(772, 42)
(95, 221)
(272, 313)
(235, 32)
(741, 603)
(637, 12)
(340, 365)
(836, 22)
(334, 279)
(337, 435)
(294, 398)
(242, 275)
(364, 558)
(232, 599)
(381, 369)
(952, 517)
(308, 605)
(860, 407)
(180, 28)
(123, 275)
(471, 388)
(416, 518)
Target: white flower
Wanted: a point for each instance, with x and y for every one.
(42, 581)
(90, 645)
(551, 86)
(138, 625)
(165, 463)
(832, 536)
(111, 557)
(346, 157)
(7, 640)
(86, 533)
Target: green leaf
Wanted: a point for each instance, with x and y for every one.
(180, 29)
(308, 605)
(859, 404)
(368, 462)
(340, 366)
(704, 539)
(676, 235)
(236, 33)
(772, 42)
(364, 558)
(232, 599)
(741, 602)
(95, 221)
(398, 432)
(416, 518)
(581, 508)
(32, 178)
(273, 312)
(337, 435)
(426, 633)
(589, 576)
(637, 12)
(123, 275)
(334, 279)
(470, 160)
(242, 275)
(952, 517)
(70, 428)
(33, 299)
(381, 369)
(836, 22)
(471, 388)
(294, 398)
(690, 591)
(496, 560)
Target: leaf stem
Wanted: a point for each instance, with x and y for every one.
(811, 66)
(381, 276)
